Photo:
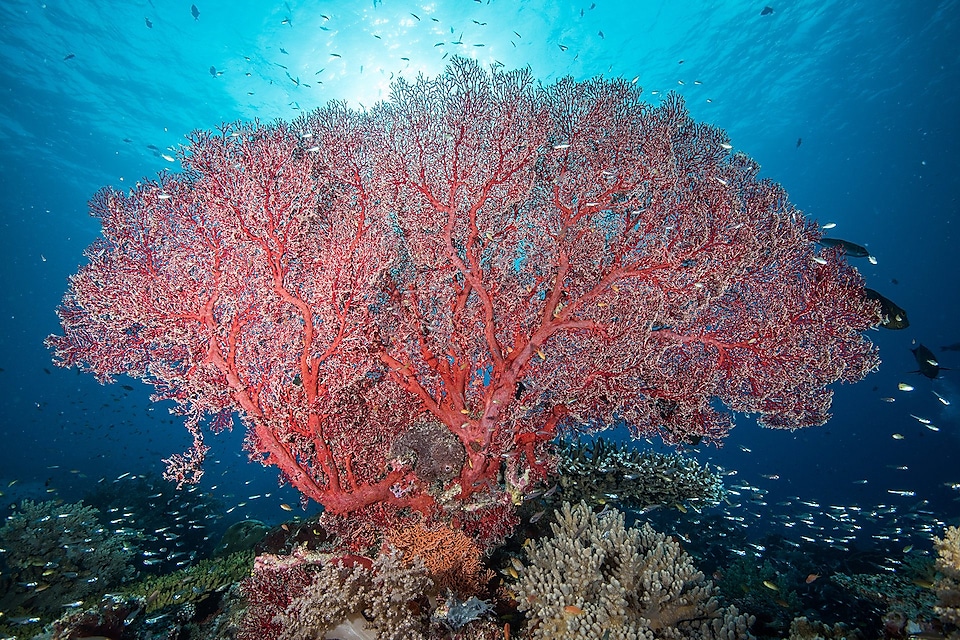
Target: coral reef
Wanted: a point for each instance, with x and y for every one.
(947, 584)
(597, 579)
(804, 629)
(60, 552)
(110, 618)
(899, 593)
(272, 585)
(384, 593)
(192, 583)
(601, 472)
(628, 253)
(310, 595)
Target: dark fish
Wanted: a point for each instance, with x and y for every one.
(149, 24)
(766, 11)
(69, 56)
(213, 71)
(195, 12)
(284, 51)
(891, 315)
(927, 361)
(951, 347)
(849, 248)
(799, 142)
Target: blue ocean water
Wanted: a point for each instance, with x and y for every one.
(851, 105)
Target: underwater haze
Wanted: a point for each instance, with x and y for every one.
(851, 105)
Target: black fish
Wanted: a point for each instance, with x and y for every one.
(799, 142)
(766, 11)
(213, 71)
(70, 56)
(849, 248)
(927, 361)
(195, 12)
(149, 24)
(951, 347)
(891, 315)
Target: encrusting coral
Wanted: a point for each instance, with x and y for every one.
(596, 579)
(947, 584)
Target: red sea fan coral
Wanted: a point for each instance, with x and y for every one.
(503, 258)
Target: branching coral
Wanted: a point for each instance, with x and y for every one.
(947, 585)
(597, 579)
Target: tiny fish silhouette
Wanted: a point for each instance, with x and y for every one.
(195, 12)
(766, 11)
(149, 24)
(799, 142)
